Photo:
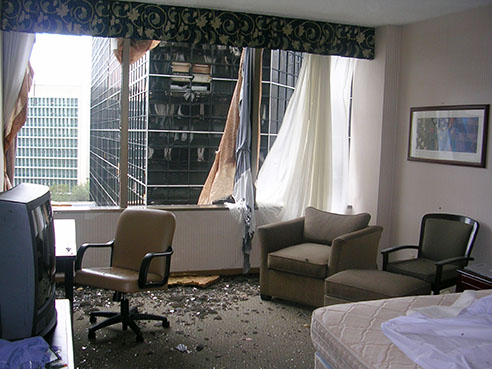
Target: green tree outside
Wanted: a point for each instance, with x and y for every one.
(62, 193)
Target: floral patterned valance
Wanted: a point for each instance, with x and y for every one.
(108, 18)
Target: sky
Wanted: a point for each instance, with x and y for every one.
(61, 59)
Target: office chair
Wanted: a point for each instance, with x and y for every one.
(140, 261)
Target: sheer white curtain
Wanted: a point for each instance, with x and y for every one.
(308, 163)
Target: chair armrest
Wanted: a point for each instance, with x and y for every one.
(388, 251)
(453, 260)
(397, 248)
(439, 264)
(279, 235)
(145, 265)
(355, 250)
(82, 249)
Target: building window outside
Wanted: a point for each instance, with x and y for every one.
(279, 76)
(179, 97)
(52, 146)
(104, 124)
(47, 147)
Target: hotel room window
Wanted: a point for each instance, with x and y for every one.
(179, 97)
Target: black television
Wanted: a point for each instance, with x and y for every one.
(27, 262)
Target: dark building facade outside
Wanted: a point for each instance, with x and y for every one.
(179, 97)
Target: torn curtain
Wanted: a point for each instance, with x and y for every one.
(17, 80)
(231, 174)
(244, 200)
(138, 48)
(220, 181)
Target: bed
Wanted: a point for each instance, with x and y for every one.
(349, 336)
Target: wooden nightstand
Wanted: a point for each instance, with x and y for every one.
(474, 277)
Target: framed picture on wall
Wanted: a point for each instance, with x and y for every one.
(454, 135)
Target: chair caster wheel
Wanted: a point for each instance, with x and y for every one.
(140, 338)
(165, 323)
(92, 335)
(92, 319)
(265, 297)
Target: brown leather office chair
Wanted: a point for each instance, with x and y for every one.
(445, 244)
(140, 260)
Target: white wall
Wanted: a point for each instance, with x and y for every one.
(204, 240)
(444, 61)
(374, 130)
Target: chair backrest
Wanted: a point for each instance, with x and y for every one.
(445, 236)
(323, 227)
(140, 231)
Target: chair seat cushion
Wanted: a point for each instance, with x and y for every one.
(372, 284)
(112, 278)
(421, 268)
(306, 259)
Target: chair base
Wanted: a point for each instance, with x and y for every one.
(127, 317)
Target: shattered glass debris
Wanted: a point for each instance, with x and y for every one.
(225, 325)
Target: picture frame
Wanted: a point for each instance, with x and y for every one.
(455, 135)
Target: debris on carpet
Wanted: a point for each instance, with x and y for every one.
(202, 281)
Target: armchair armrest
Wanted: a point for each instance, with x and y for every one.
(279, 235)
(82, 249)
(390, 250)
(273, 237)
(439, 265)
(355, 250)
(453, 260)
(397, 248)
(145, 265)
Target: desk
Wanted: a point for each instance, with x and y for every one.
(66, 251)
(474, 277)
(62, 335)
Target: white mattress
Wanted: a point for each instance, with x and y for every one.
(349, 336)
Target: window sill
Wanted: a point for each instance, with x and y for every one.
(69, 208)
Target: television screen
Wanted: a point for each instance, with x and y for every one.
(27, 262)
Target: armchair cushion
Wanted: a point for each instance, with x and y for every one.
(421, 268)
(306, 259)
(322, 226)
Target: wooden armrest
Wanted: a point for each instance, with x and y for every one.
(397, 248)
(82, 249)
(439, 265)
(145, 265)
(388, 251)
(453, 260)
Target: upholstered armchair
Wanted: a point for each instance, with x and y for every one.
(297, 255)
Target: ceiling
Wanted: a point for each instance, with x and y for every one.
(358, 12)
